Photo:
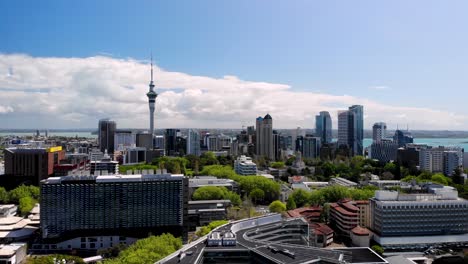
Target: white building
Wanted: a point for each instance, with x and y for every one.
(244, 166)
(378, 131)
(13, 253)
(124, 139)
(432, 159)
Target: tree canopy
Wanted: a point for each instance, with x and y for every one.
(216, 193)
(277, 207)
(148, 250)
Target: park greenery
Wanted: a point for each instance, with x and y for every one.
(24, 196)
(216, 193)
(277, 207)
(53, 259)
(205, 230)
(329, 194)
(148, 250)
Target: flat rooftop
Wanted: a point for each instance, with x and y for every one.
(113, 178)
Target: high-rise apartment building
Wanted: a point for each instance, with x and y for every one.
(106, 135)
(193, 142)
(379, 131)
(351, 129)
(122, 205)
(384, 150)
(323, 127)
(264, 137)
(432, 159)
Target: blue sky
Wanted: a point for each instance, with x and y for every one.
(396, 53)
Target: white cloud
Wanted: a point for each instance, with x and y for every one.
(76, 92)
(379, 88)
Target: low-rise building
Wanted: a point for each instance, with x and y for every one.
(342, 182)
(13, 253)
(245, 166)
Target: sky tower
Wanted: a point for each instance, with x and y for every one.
(151, 99)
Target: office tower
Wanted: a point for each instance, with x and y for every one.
(159, 142)
(299, 143)
(171, 141)
(402, 138)
(276, 145)
(113, 205)
(378, 131)
(264, 137)
(323, 127)
(144, 140)
(351, 129)
(32, 164)
(311, 147)
(106, 135)
(151, 100)
(384, 150)
(193, 143)
(213, 143)
(124, 139)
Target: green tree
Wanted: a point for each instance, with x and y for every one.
(50, 259)
(440, 178)
(234, 198)
(209, 193)
(257, 195)
(3, 195)
(456, 177)
(378, 249)
(204, 230)
(26, 204)
(291, 204)
(300, 197)
(23, 191)
(277, 165)
(277, 207)
(148, 250)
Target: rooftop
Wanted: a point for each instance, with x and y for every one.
(113, 178)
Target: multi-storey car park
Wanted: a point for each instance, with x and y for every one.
(265, 240)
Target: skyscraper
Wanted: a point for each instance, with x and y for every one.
(106, 135)
(171, 141)
(378, 131)
(311, 147)
(151, 99)
(323, 127)
(264, 137)
(402, 138)
(351, 129)
(193, 143)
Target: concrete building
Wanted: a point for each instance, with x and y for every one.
(144, 140)
(311, 147)
(384, 150)
(432, 159)
(264, 137)
(134, 155)
(201, 181)
(453, 159)
(13, 253)
(114, 205)
(7, 210)
(104, 166)
(245, 166)
(342, 182)
(323, 127)
(401, 220)
(379, 131)
(193, 143)
(402, 138)
(159, 142)
(124, 139)
(32, 164)
(106, 135)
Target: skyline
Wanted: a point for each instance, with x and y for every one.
(220, 65)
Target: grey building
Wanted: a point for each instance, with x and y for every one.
(401, 220)
(384, 150)
(106, 135)
(311, 147)
(124, 205)
(193, 142)
(351, 129)
(379, 131)
(402, 138)
(264, 137)
(323, 127)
